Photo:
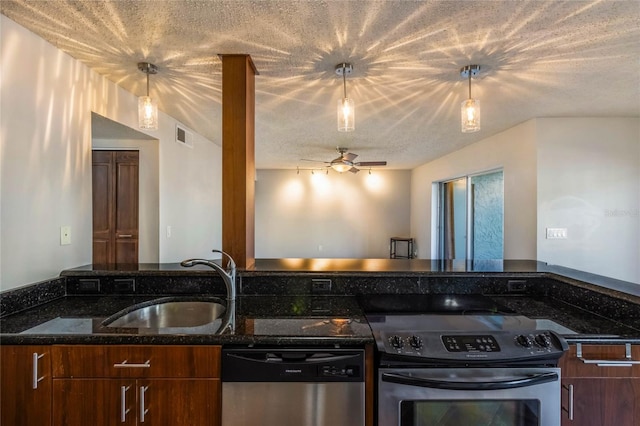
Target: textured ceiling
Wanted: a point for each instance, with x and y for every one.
(539, 59)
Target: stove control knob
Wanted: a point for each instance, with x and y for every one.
(415, 342)
(524, 341)
(543, 340)
(396, 342)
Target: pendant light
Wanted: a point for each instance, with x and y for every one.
(147, 107)
(470, 109)
(346, 107)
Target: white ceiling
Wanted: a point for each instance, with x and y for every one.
(539, 59)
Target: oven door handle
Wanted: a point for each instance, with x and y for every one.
(516, 382)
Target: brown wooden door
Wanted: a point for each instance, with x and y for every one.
(115, 206)
(23, 402)
(95, 402)
(194, 402)
(602, 401)
(599, 393)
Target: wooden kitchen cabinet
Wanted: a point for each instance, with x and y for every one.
(130, 385)
(601, 394)
(25, 394)
(104, 402)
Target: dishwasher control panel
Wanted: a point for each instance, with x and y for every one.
(347, 371)
(292, 365)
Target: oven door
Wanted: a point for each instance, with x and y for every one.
(469, 396)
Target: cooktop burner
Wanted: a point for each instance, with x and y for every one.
(464, 304)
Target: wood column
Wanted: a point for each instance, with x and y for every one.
(238, 158)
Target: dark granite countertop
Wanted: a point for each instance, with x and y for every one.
(314, 320)
(277, 320)
(278, 303)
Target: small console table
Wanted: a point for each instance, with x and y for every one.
(404, 241)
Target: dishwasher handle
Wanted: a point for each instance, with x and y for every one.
(288, 357)
(511, 383)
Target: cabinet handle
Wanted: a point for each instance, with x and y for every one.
(628, 362)
(123, 403)
(125, 364)
(143, 411)
(36, 379)
(570, 409)
(125, 236)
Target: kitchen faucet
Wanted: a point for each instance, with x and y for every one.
(229, 277)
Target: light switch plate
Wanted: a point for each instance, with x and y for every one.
(65, 235)
(556, 233)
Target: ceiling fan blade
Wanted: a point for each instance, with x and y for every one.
(354, 170)
(315, 161)
(370, 163)
(349, 156)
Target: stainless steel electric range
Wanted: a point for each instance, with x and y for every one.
(463, 360)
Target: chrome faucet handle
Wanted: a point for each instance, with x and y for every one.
(228, 276)
(232, 264)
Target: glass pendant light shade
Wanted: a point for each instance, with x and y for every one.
(346, 115)
(346, 107)
(470, 109)
(147, 113)
(147, 107)
(470, 115)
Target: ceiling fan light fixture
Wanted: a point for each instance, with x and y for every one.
(470, 108)
(340, 166)
(346, 106)
(147, 107)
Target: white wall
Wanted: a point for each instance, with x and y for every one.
(347, 215)
(589, 183)
(190, 199)
(46, 100)
(513, 150)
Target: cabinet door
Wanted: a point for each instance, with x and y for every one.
(25, 375)
(95, 402)
(600, 387)
(601, 401)
(144, 361)
(179, 402)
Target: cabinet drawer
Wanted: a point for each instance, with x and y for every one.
(613, 365)
(135, 361)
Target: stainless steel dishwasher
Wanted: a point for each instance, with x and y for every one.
(292, 387)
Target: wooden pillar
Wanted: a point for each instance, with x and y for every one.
(238, 158)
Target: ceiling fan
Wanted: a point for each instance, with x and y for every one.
(345, 163)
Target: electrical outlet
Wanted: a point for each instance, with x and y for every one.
(516, 286)
(556, 233)
(169, 231)
(65, 235)
(320, 285)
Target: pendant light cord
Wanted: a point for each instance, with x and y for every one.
(344, 79)
(148, 83)
(469, 83)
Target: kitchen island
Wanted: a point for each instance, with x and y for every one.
(307, 303)
(285, 297)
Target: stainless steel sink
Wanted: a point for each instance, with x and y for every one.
(170, 312)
